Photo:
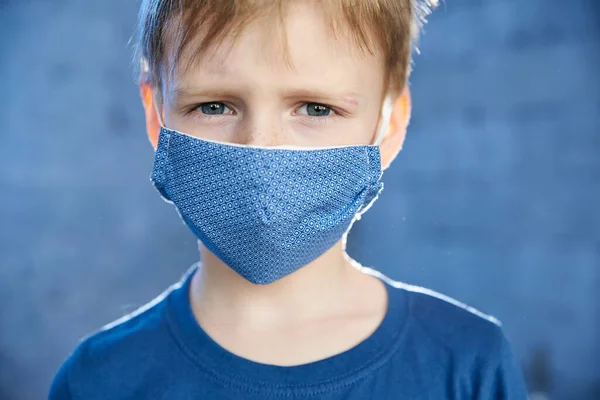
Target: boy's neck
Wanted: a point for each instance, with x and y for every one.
(322, 288)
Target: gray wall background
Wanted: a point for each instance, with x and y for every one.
(493, 201)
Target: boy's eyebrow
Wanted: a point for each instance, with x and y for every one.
(350, 98)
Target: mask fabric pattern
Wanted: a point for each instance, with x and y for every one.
(265, 212)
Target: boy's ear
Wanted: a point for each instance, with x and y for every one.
(152, 122)
(394, 138)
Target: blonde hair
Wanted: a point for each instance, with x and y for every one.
(390, 26)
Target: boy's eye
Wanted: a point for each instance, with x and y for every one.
(315, 110)
(214, 108)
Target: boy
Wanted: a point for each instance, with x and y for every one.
(272, 122)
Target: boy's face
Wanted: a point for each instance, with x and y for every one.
(327, 93)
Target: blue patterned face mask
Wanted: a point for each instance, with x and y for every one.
(267, 211)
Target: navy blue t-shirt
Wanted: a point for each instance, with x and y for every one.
(427, 347)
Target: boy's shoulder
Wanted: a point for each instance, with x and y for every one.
(447, 337)
(132, 330)
(447, 323)
(446, 334)
(137, 338)
(443, 314)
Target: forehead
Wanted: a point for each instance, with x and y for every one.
(304, 43)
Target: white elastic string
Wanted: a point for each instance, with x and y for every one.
(158, 112)
(386, 115)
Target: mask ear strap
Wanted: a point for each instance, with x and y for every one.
(158, 110)
(386, 115)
